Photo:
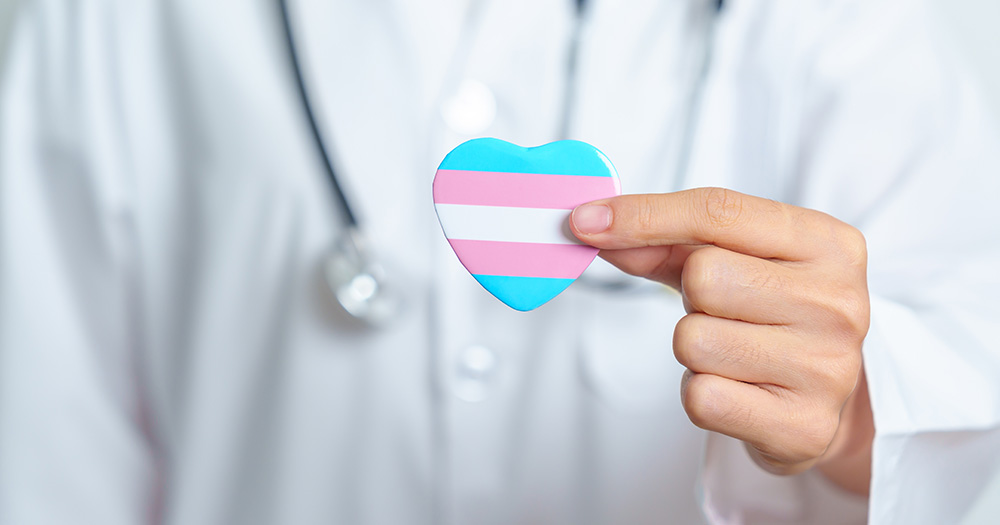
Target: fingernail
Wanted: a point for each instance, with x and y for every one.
(592, 218)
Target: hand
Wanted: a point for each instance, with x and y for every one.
(777, 303)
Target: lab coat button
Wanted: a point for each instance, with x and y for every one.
(475, 371)
(471, 109)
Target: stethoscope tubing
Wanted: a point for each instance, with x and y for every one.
(350, 217)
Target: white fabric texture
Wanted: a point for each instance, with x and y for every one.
(170, 354)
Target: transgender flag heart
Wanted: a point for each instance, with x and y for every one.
(505, 210)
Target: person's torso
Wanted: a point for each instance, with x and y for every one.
(267, 405)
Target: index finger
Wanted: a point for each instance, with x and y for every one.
(728, 219)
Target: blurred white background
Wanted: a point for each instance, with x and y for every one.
(974, 25)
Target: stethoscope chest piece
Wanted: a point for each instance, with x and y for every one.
(359, 283)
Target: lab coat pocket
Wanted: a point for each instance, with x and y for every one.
(627, 357)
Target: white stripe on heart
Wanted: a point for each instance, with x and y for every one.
(505, 224)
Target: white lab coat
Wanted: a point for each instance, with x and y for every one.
(169, 352)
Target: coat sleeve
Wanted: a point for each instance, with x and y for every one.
(73, 445)
(888, 133)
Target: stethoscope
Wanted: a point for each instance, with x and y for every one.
(357, 279)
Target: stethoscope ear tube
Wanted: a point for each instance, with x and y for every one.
(338, 191)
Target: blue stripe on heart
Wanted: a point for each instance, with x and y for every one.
(566, 157)
(523, 293)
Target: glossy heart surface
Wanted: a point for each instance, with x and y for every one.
(505, 211)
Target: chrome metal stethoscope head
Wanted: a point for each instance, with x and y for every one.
(359, 282)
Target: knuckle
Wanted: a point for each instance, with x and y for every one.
(688, 341)
(723, 207)
(844, 310)
(697, 275)
(844, 377)
(852, 245)
(702, 344)
(747, 355)
(816, 437)
(707, 410)
(697, 402)
(760, 277)
(834, 376)
(646, 216)
(836, 382)
(852, 311)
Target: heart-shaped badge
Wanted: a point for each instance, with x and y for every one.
(505, 210)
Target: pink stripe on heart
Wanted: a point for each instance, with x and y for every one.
(523, 259)
(521, 190)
